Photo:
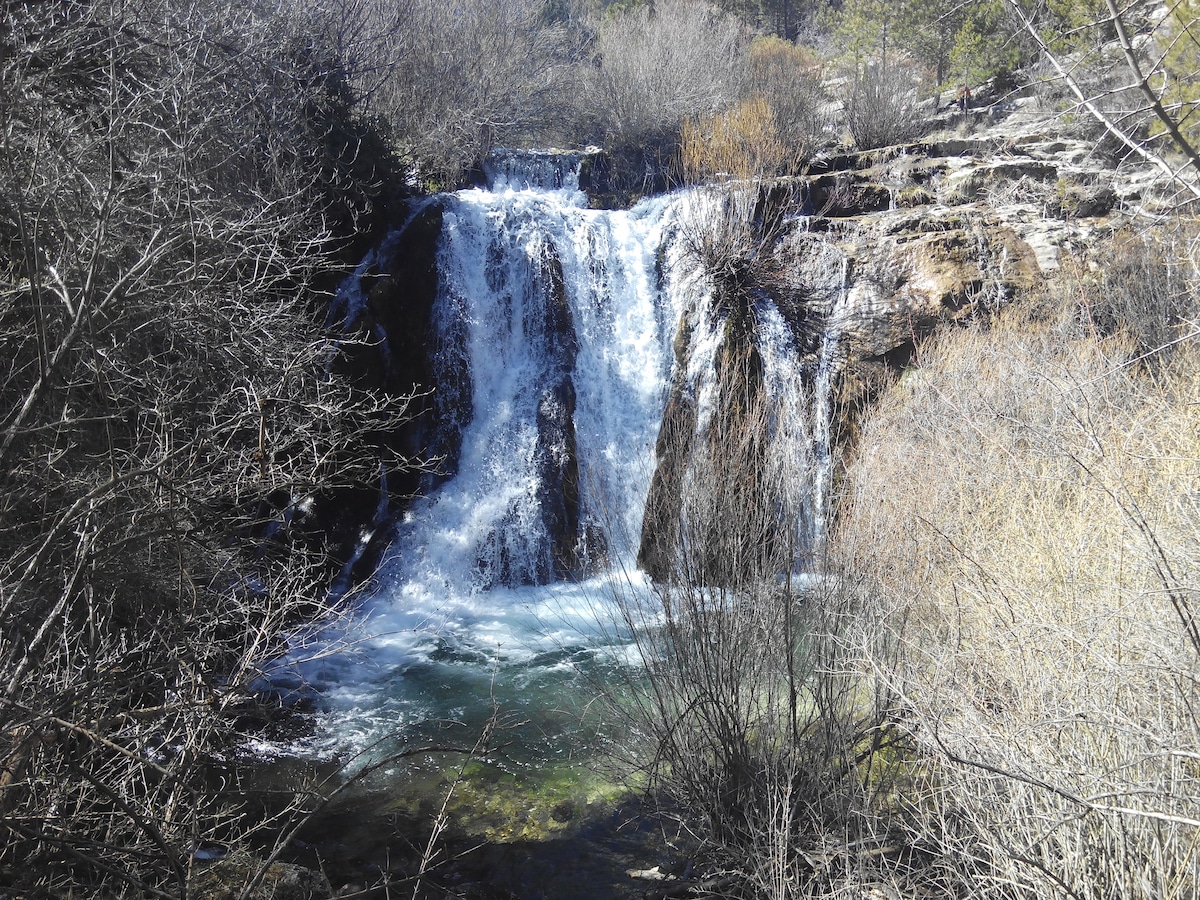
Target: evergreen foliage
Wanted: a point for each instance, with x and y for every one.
(955, 42)
(1180, 66)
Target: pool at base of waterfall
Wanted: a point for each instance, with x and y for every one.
(533, 676)
(550, 807)
(475, 690)
(496, 717)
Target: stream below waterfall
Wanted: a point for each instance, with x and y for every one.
(497, 608)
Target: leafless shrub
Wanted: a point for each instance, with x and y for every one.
(165, 419)
(1145, 111)
(718, 227)
(1024, 499)
(733, 228)
(763, 737)
(741, 142)
(1100, 74)
(660, 65)
(1145, 291)
(495, 72)
(791, 80)
(883, 104)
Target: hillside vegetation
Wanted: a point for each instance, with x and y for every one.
(990, 693)
(1020, 518)
(175, 182)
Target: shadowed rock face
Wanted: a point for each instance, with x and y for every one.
(664, 502)
(558, 457)
(400, 286)
(387, 307)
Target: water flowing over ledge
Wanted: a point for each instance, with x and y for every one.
(562, 335)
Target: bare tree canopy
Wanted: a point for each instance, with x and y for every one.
(459, 81)
(167, 184)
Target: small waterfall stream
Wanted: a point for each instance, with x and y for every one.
(557, 344)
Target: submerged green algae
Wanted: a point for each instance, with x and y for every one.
(499, 805)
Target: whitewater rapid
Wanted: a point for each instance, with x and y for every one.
(558, 331)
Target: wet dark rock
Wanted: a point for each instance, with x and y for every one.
(400, 303)
(620, 176)
(558, 469)
(843, 194)
(563, 812)
(512, 554)
(552, 328)
(397, 289)
(592, 555)
(664, 502)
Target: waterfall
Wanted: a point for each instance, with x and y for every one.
(554, 327)
(557, 342)
(828, 363)
(554, 316)
(542, 170)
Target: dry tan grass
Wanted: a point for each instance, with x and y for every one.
(1025, 506)
(740, 142)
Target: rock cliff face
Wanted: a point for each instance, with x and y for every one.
(871, 251)
(898, 241)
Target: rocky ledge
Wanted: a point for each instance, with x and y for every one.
(898, 240)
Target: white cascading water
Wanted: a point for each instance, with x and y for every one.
(467, 603)
(472, 611)
(828, 363)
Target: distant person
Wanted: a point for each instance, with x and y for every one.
(964, 99)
